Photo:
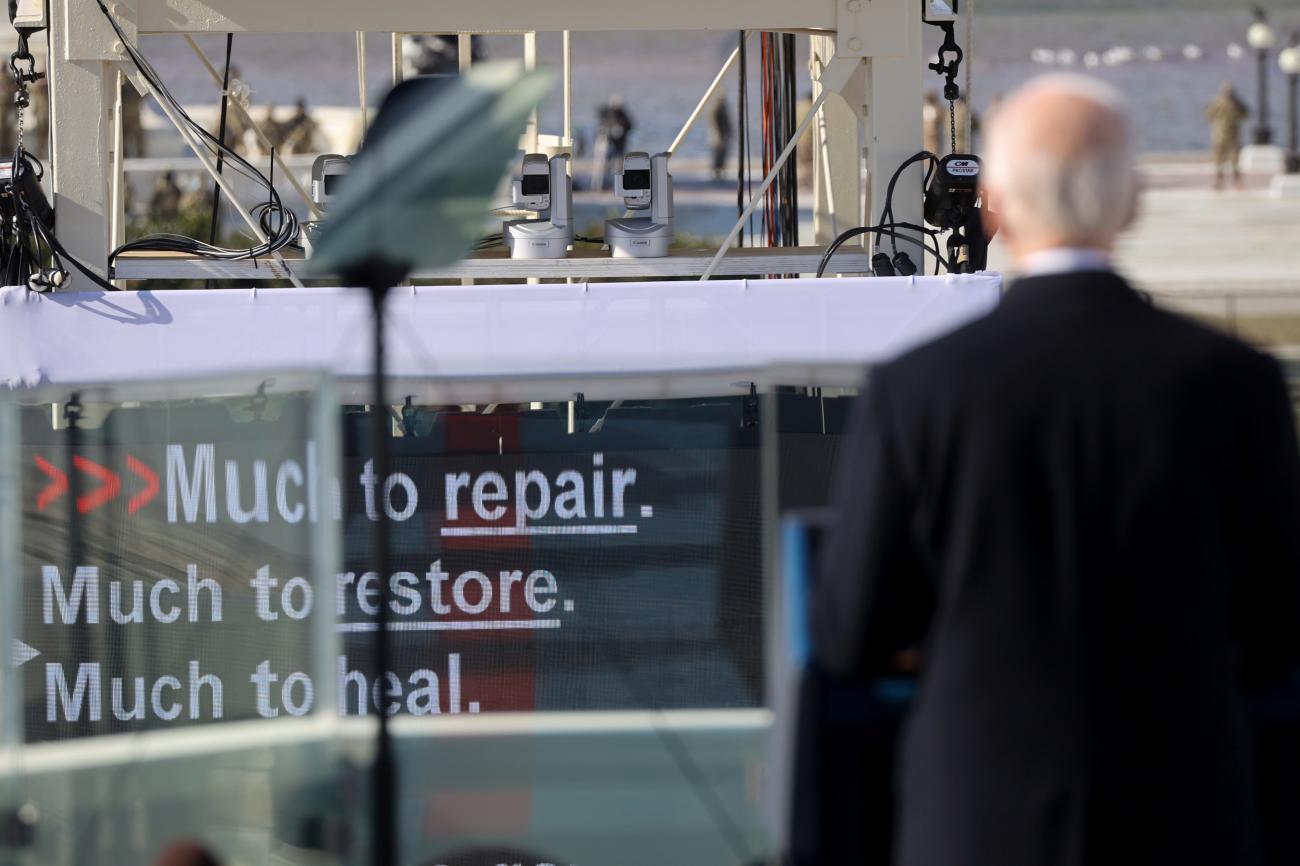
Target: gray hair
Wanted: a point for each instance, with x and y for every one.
(1082, 192)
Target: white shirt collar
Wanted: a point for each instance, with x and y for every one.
(1063, 260)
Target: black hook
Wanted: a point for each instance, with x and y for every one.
(22, 54)
(951, 91)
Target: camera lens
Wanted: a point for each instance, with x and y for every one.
(535, 184)
(636, 179)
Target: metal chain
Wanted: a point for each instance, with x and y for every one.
(952, 124)
(22, 55)
(18, 111)
(21, 100)
(36, 279)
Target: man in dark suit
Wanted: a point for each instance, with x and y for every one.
(1085, 512)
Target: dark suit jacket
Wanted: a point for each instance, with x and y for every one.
(1087, 513)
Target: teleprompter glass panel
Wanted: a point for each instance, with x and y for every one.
(588, 574)
(172, 643)
(576, 604)
(613, 568)
(597, 571)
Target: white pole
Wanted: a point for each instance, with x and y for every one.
(708, 94)
(361, 82)
(395, 48)
(464, 60)
(826, 171)
(257, 130)
(201, 152)
(530, 63)
(117, 203)
(464, 51)
(567, 140)
(762, 188)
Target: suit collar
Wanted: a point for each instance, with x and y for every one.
(1099, 286)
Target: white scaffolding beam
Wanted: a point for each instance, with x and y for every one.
(871, 120)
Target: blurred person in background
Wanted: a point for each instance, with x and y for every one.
(301, 131)
(720, 135)
(615, 126)
(1225, 115)
(165, 197)
(934, 120)
(1085, 512)
(271, 128)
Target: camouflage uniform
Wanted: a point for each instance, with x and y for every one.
(1225, 115)
(300, 132)
(165, 199)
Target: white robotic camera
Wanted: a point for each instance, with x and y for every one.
(544, 187)
(327, 173)
(633, 182)
(533, 190)
(644, 183)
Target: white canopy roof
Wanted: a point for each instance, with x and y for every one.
(498, 343)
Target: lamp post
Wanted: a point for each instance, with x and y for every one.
(1260, 37)
(1289, 59)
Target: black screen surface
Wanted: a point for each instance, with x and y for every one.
(636, 179)
(536, 184)
(168, 577)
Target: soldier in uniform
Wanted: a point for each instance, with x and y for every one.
(165, 198)
(720, 134)
(1225, 115)
(300, 132)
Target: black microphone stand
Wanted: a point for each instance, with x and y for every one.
(377, 275)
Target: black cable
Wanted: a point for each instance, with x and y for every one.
(790, 234)
(221, 136)
(27, 258)
(272, 212)
(742, 139)
(887, 213)
(890, 229)
(95, 278)
(215, 219)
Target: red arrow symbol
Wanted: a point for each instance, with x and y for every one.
(57, 487)
(150, 484)
(106, 491)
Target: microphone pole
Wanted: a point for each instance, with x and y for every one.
(376, 276)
